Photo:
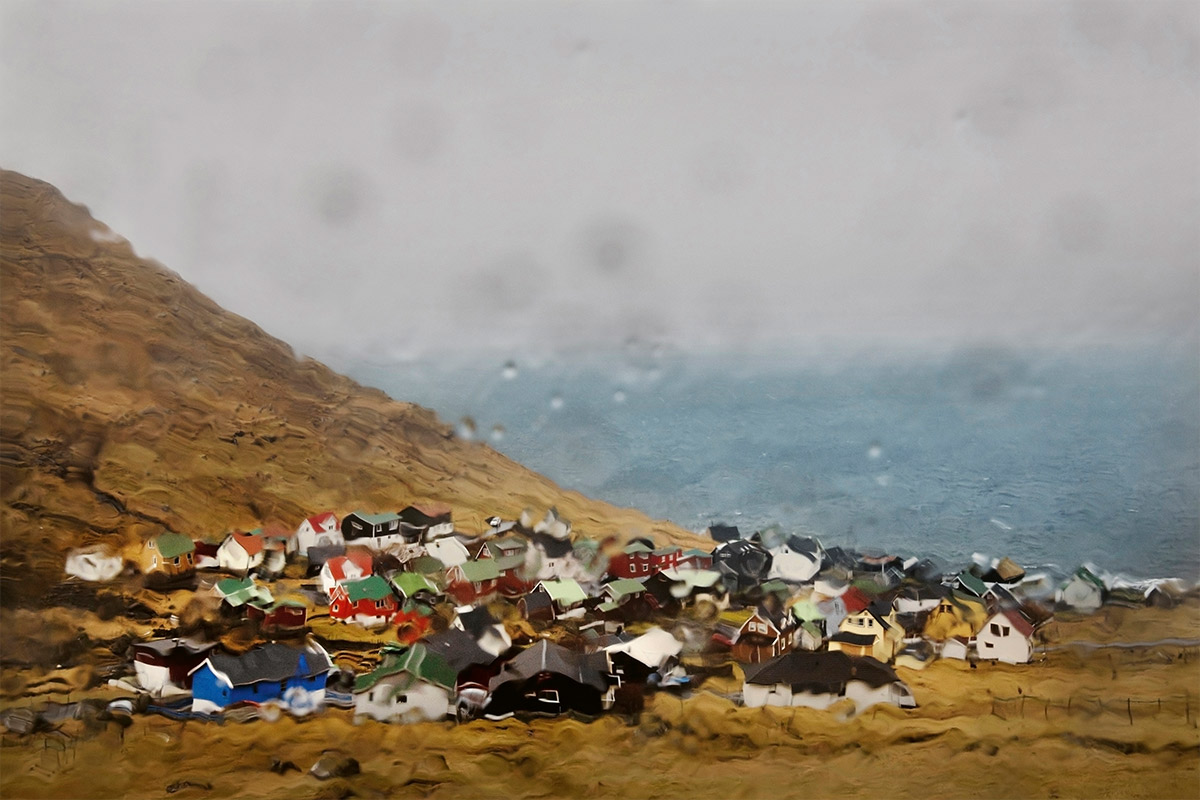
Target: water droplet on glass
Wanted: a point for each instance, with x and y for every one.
(618, 396)
(510, 370)
(556, 402)
(466, 428)
(497, 432)
(875, 452)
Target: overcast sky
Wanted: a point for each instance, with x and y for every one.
(387, 180)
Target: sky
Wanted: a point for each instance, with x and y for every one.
(386, 181)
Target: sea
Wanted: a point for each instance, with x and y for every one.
(1054, 458)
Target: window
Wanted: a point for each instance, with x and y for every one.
(177, 561)
(393, 525)
(995, 629)
(401, 698)
(154, 561)
(150, 544)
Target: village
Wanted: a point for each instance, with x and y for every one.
(400, 617)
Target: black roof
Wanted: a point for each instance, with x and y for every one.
(803, 544)
(858, 639)
(724, 533)
(545, 656)
(457, 648)
(820, 672)
(271, 662)
(552, 546)
(477, 621)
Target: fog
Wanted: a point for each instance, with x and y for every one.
(386, 181)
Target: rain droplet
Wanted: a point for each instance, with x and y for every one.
(556, 402)
(875, 452)
(510, 370)
(497, 432)
(466, 428)
(618, 396)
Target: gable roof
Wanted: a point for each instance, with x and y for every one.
(1022, 625)
(410, 583)
(376, 519)
(624, 587)
(818, 672)
(480, 571)
(320, 519)
(724, 533)
(545, 656)
(565, 592)
(1085, 574)
(171, 544)
(251, 543)
(418, 661)
(636, 547)
(971, 583)
(855, 600)
(458, 649)
(338, 565)
(477, 621)
(270, 662)
(372, 588)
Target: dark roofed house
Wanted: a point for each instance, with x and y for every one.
(766, 634)
(272, 672)
(724, 533)
(163, 665)
(743, 565)
(549, 679)
(818, 680)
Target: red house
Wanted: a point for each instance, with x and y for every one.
(632, 562)
(281, 618)
(473, 581)
(369, 601)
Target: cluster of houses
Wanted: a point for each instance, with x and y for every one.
(527, 618)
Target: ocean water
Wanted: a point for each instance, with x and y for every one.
(1050, 458)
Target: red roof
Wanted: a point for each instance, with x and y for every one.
(855, 600)
(319, 519)
(252, 544)
(337, 566)
(1023, 626)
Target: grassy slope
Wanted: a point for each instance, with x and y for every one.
(131, 402)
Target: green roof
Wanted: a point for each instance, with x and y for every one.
(637, 547)
(376, 519)
(228, 586)
(409, 583)
(812, 629)
(696, 551)
(775, 586)
(1087, 575)
(624, 586)
(426, 565)
(506, 563)
(372, 588)
(806, 610)
(238, 592)
(174, 544)
(565, 592)
(479, 571)
(698, 578)
(971, 583)
(418, 662)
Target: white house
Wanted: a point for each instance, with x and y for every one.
(448, 550)
(93, 564)
(412, 686)
(1083, 592)
(323, 530)
(241, 552)
(353, 566)
(818, 680)
(797, 560)
(1007, 636)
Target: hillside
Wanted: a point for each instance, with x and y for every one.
(133, 403)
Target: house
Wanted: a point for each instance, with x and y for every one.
(410, 685)
(474, 666)
(694, 558)
(915, 655)
(554, 525)
(956, 615)
(473, 581)
(241, 552)
(322, 530)
(169, 555)
(970, 584)
(796, 560)
(502, 546)
(1004, 571)
(353, 566)
(162, 666)
(1083, 591)
(426, 521)
(566, 598)
(655, 652)
(633, 561)
(94, 564)
(488, 632)
(550, 679)
(206, 555)
(294, 678)
(665, 558)
(284, 617)
(766, 634)
(743, 564)
(818, 680)
(625, 600)
(368, 601)
(675, 589)
(1006, 636)
(377, 531)
(872, 631)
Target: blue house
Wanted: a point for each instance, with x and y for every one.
(276, 672)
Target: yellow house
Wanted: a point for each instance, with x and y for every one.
(957, 614)
(872, 632)
(170, 554)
